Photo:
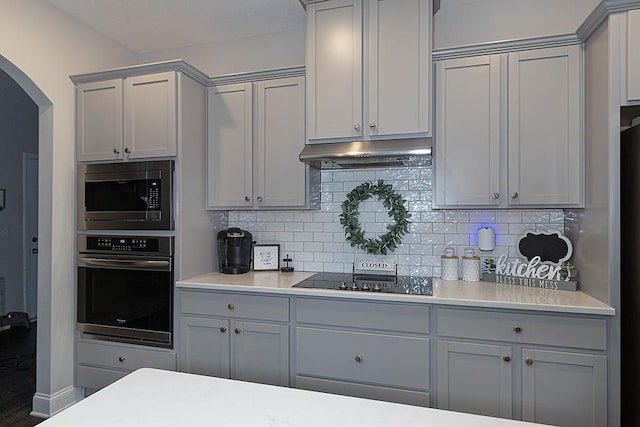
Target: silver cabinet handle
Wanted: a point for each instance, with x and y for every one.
(358, 358)
(121, 359)
(238, 330)
(517, 329)
(260, 199)
(495, 196)
(223, 329)
(506, 358)
(231, 306)
(528, 361)
(514, 195)
(116, 151)
(126, 150)
(372, 126)
(356, 127)
(247, 198)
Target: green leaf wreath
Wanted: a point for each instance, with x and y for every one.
(396, 210)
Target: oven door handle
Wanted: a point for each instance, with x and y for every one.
(155, 265)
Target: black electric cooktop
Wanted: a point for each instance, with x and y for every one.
(349, 282)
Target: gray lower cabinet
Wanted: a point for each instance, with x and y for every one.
(99, 363)
(547, 369)
(363, 349)
(239, 336)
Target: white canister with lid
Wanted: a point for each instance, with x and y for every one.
(470, 266)
(449, 265)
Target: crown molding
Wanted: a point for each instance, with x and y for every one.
(615, 6)
(491, 48)
(136, 70)
(257, 75)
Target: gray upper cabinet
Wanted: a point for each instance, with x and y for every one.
(255, 134)
(384, 91)
(127, 118)
(99, 127)
(467, 152)
(150, 116)
(508, 130)
(633, 55)
(230, 146)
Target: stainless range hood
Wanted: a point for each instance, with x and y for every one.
(368, 154)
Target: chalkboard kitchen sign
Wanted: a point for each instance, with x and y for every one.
(546, 265)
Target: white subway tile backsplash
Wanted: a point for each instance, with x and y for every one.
(315, 240)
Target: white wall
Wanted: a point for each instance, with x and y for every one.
(40, 47)
(266, 52)
(463, 22)
(18, 135)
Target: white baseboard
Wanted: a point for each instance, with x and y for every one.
(44, 405)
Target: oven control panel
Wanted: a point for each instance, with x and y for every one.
(122, 244)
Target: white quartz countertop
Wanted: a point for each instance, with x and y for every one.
(152, 397)
(469, 294)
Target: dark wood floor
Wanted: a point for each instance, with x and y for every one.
(17, 376)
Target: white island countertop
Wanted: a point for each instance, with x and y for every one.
(457, 293)
(151, 397)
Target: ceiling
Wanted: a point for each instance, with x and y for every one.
(146, 26)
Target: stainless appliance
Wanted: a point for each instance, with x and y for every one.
(125, 289)
(415, 285)
(630, 273)
(126, 196)
(366, 154)
(234, 250)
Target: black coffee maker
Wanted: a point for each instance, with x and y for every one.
(234, 250)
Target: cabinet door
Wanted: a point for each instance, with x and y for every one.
(467, 141)
(565, 389)
(544, 127)
(334, 69)
(281, 176)
(261, 353)
(204, 346)
(99, 120)
(474, 378)
(399, 66)
(230, 145)
(633, 55)
(150, 115)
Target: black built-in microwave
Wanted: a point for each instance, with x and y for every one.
(126, 196)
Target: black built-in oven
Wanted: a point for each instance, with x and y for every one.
(126, 196)
(125, 289)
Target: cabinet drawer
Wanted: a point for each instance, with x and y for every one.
(375, 359)
(385, 316)
(524, 328)
(122, 357)
(387, 394)
(97, 378)
(234, 305)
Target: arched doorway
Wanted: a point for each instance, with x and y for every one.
(45, 142)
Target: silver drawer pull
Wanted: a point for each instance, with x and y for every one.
(121, 358)
(231, 306)
(517, 329)
(223, 329)
(358, 358)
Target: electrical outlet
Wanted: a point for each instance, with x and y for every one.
(4, 231)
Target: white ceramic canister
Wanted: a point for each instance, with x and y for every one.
(449, 265)
(470, 266)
